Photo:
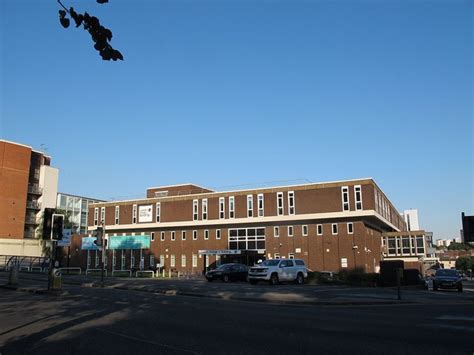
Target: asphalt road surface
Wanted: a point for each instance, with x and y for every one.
(110, 321)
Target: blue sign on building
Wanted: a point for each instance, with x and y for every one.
(88, 243)
(129, 242)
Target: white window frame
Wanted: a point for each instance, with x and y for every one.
(249, 206)
(318, 227)
(358, 188)
(346, 206)
(183, 235)
(218, 234)
(173, 260)
(195, 235)
(158, 212)
(152, 260)
(292, 231)
(291, 206)
(195, 260)
(152, 236)
(276, 232)
(280, 204)
(351, 227)
(195, 210)
(332, 229)
(261, 205)
(221, 207)
(291, 256)
(96, 216)
(206, 234)
(102, 215)
(204, 209)
(162, 236)
(134, 214)
(117, 214)
(173, 236)
(183, 260)
(231, 207)
(276, 255)
(303, 233)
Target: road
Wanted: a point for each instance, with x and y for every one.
(111, 321)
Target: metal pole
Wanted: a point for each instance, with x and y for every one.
(103, 256)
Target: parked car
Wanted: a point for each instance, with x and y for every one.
(228, 272)
(445, 278)
(277, 270)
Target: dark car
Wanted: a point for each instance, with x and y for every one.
(445, 278)
(228, 272)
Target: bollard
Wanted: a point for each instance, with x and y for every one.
(164, 273)
(169, 274)
(13, 276)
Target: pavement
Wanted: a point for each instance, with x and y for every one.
(240, 291)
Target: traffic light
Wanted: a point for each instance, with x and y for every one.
(98, 236)
(47, 223)
(58, 225)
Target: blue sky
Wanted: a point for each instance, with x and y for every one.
(224, 93)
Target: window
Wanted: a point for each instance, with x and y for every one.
(290, 231)
(345, 198)
(277, 255)
(158, 211)
(162, 236)
(206, 234)
(291, 202)
(162, 260)
(134, 214)
(117, 214)
(231, 207)
(406, 245)
(218, 260)
(420, 246)
(183, 235)
(204, 209)
(195, 210)
(276, 232)
(260, 205)
(319, 229)
(350, 228)
(195, 260)
(334, 229)
(221, 207)
(132, 260)
(249, 206)
(173, 261)
(195, 235)
(173, 235)
(358, 197)
(152, 260)
(102, 215)
(291, 256)
(280, 209)
(343, 262)
(183, 260)
(152, 236)
(218, 234)
(305, 230)
(96, 216)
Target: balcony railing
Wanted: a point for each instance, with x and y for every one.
(31, 220)
(33, 205)
(35, 189)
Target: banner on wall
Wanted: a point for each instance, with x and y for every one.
(145, 213)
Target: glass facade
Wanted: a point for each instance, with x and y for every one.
(77, 207)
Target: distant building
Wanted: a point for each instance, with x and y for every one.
(447, 242)
(411, 219)
(467, 228)
(28, 185)
(78, 208)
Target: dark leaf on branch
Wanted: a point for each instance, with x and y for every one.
(100, 45)
(102, 1)
(65, 22)
(116, 55)
(106, 53)
(62, 13)
(76, 17)
(108, 34)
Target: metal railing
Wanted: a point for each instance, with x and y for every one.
(35, 189)
(33, 204)
(28, 263)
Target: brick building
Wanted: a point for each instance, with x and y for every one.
(332, 226)
(28, 184)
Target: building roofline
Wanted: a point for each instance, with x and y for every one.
(89, 198)
(26, 146)
(176, 185)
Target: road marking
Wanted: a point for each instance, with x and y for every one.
(146, 341)
(448, 317)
